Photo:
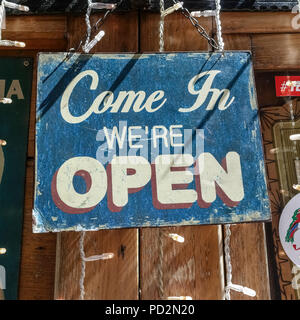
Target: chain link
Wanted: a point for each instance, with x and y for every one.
(198, 27)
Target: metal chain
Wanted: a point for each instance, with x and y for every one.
(198, 27)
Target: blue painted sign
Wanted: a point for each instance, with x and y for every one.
(127, 140)
(15, 84)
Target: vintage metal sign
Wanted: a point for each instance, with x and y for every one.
(132, 140)
(15, 84)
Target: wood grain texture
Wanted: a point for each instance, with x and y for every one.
(249, 260)
(193, 268)
(276, 51)
(257, 22)
(39, 33)
(121, 32)
(38, 252)
(116, 278)
(237, 42)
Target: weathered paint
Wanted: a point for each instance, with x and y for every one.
(15, 83)
(67, 129)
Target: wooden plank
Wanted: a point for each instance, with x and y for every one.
(237, 42)
(193, 268)
(116, 278)
(168, 268)
(249, 260)
(276, 51)
(38, 252)
(257, 22)
(36, 24)
(21, 35)
(39, 32)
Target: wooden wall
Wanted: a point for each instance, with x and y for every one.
(147, 263)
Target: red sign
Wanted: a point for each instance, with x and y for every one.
(287, 86)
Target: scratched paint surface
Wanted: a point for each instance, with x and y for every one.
(217, 131)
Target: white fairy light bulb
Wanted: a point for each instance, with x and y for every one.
(170, 10)
(5, 100)
(176, 237)
(295, 137)
(91, 44)
(100, 5)
(180, 298)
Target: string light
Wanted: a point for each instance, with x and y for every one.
(15, 6)
(84, 259)
(100, 5)
(11, 5)
(206, 13)
(218, 24)
(176, 237)
(295, 137)
(213, 13)
(104, 256)
(172, 9)
(3, 142)
(230, 285)
(5, 100)
(161, 26)
(2, 250)
(89, 45)
(296, 187)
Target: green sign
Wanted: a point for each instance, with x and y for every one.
(15, 84)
